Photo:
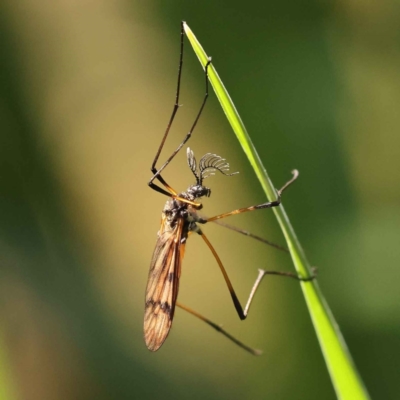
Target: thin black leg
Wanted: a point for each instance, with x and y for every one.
(219, 329)
(270, 204)
(239, 309)
(189, 134)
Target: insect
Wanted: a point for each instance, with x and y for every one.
(179, 218)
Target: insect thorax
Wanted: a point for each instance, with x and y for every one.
(175, 209)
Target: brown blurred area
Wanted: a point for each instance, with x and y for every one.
(87, 88)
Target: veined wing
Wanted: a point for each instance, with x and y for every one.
(163, 284)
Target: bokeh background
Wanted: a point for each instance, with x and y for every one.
(87, 88)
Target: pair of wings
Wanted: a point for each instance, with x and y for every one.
(163, 283)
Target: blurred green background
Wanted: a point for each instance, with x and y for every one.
(86, 90)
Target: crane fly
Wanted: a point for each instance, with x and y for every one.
(179, 218)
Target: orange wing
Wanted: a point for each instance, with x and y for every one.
(163, 284)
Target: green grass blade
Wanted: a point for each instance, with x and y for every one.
(345, 378)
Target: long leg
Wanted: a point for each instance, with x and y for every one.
(249, 234)
(239, 309)
(174, 111)
(170, 192)
(270, 204)
(188, 135)
(176, 105)
(218, 328)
